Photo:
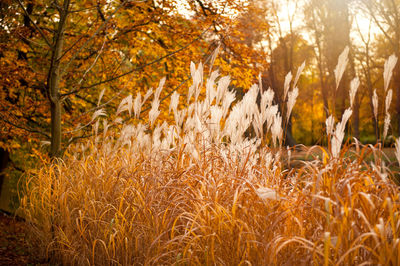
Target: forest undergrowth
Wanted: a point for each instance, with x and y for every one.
(215, 186)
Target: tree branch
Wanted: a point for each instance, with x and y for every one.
(31, 130)
(34, 24)
(93, 35)
(138, 68)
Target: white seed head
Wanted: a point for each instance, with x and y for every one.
(159, 88)
(174, 102)
(299, 70)
(276, 129)
(388, 100)
(355, 83)
(98, 113)
(125, 105)
(291, 101)
(137, 105)
(267, 194)
(330, 123)
(341, 65)
(386, 125)
(148, 94)
(100, 96)
(337, 138)
(210, 91)
(375, 104)
(286, 85)
(154, 112)
(388, 70)
(223, 84)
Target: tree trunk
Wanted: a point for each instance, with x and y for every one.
(4, 158)
(54, 77)
(289, 139)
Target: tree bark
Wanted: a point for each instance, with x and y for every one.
(53, 83)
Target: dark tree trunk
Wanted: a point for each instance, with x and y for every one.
(289, 139)
(4, 159)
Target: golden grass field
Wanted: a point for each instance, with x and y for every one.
(165, 209)
(198, 192)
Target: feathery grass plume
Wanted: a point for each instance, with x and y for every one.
(276, 129)
(330, 124)
(266, 193)
(270, 114)
(229, 98)
(173, 105)
(286, 86)
(137, 105)
(197, 76)
(148, 94)
(268, 97)
(125, 105)
(214, 122)
(388, 100)
(210, 91)
(180, 117)
(265, 101)
(98, 113)
(159, 88)
(194, 73)
(375, 104)
(156, 137)
(214, 56)
(154, 111)
(105, 128)
(258, 123)
(338, 135)
(101, 96)
(355, 83)
(397, 151)
(341, 65)
(265, 113)
(249, 100)
(291, 101)
(390, 63)
(299, 70)
(386, 125)
(223, 84)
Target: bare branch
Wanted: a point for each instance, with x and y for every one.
(34, 24)
(138, 68)
(93, 35)
(380, 26)
(31, 130)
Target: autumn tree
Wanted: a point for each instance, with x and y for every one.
(58, 57)
(330, 25)
(283, 58)
(386, 16)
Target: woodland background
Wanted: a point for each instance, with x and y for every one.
(62, 61)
